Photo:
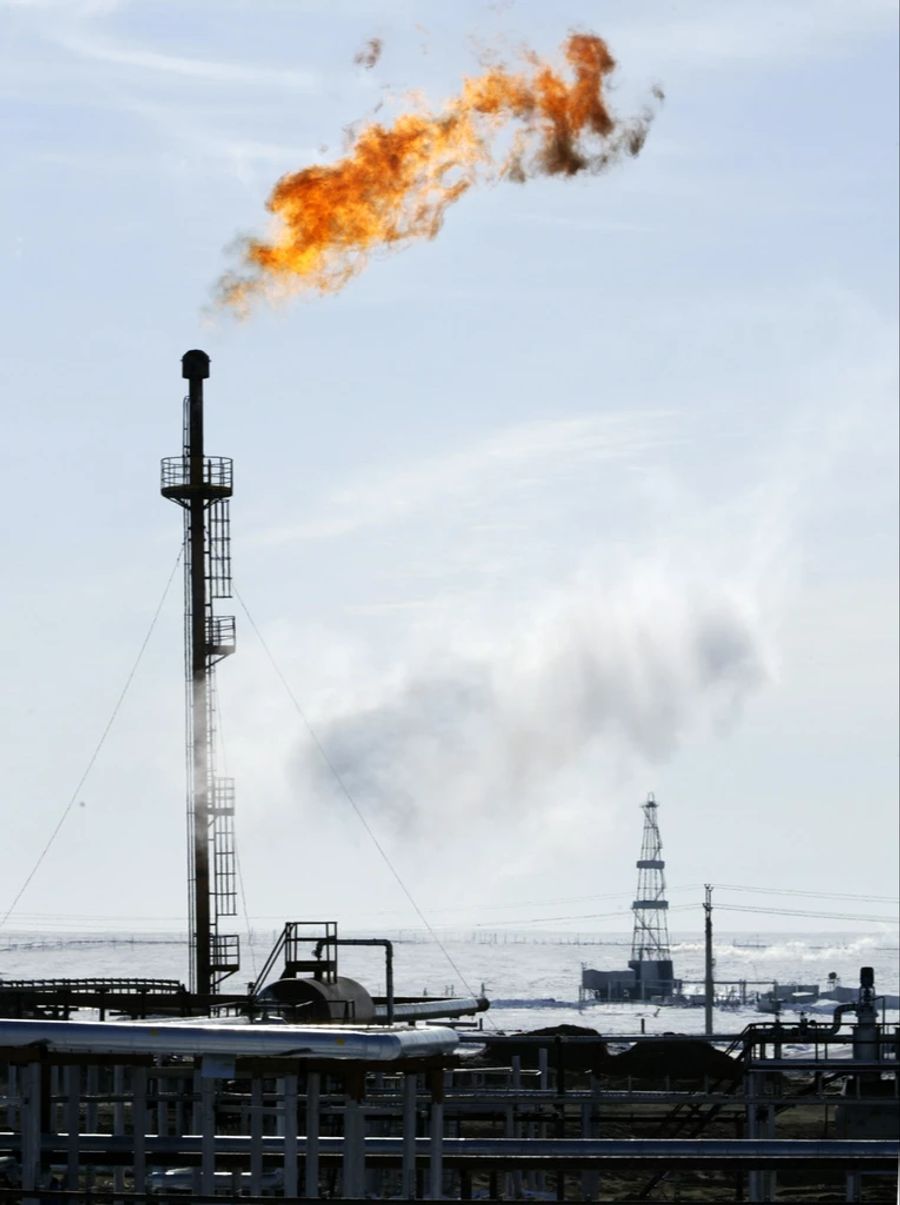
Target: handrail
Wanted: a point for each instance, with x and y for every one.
(175, 472)
(269, 963)
(135, 985)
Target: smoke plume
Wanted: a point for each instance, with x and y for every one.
(494, 730)
(398, 181)
(369, 55)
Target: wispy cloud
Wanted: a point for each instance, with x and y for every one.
(204, 70)
(522, 456)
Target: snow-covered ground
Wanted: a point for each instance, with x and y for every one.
(532, 980)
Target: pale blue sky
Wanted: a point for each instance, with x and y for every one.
(593, 495)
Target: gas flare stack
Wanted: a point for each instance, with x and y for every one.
(202, 486)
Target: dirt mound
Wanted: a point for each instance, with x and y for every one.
(589, 1053)
(680, 1060)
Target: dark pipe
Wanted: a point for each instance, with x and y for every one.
(837, 1017)
(195, 365)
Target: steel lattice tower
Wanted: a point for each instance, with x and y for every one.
(202, 486)
(650, 954)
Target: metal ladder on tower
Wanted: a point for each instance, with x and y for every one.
(220, 643)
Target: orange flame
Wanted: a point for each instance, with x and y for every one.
(397, 182)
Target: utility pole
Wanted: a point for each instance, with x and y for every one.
(710, 985)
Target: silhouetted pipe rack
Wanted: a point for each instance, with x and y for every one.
(410, 1124)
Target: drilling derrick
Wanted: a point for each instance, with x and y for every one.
(202, 486)
(651, 959)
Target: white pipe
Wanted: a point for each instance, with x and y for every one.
(329, 1042)
(695, 1152)
(436, 1009)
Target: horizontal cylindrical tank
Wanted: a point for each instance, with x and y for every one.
(315, 1002)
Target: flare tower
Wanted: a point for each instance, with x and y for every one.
(202, 487)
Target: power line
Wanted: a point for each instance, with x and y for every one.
(821, 895)
(545, 920)
(494, 924)
(345, 791)
(100, 743)
(542, 903)
(887, 920)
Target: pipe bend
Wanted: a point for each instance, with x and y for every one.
(837, 1016)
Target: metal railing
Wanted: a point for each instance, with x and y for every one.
(175, 472)
(221, 636)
